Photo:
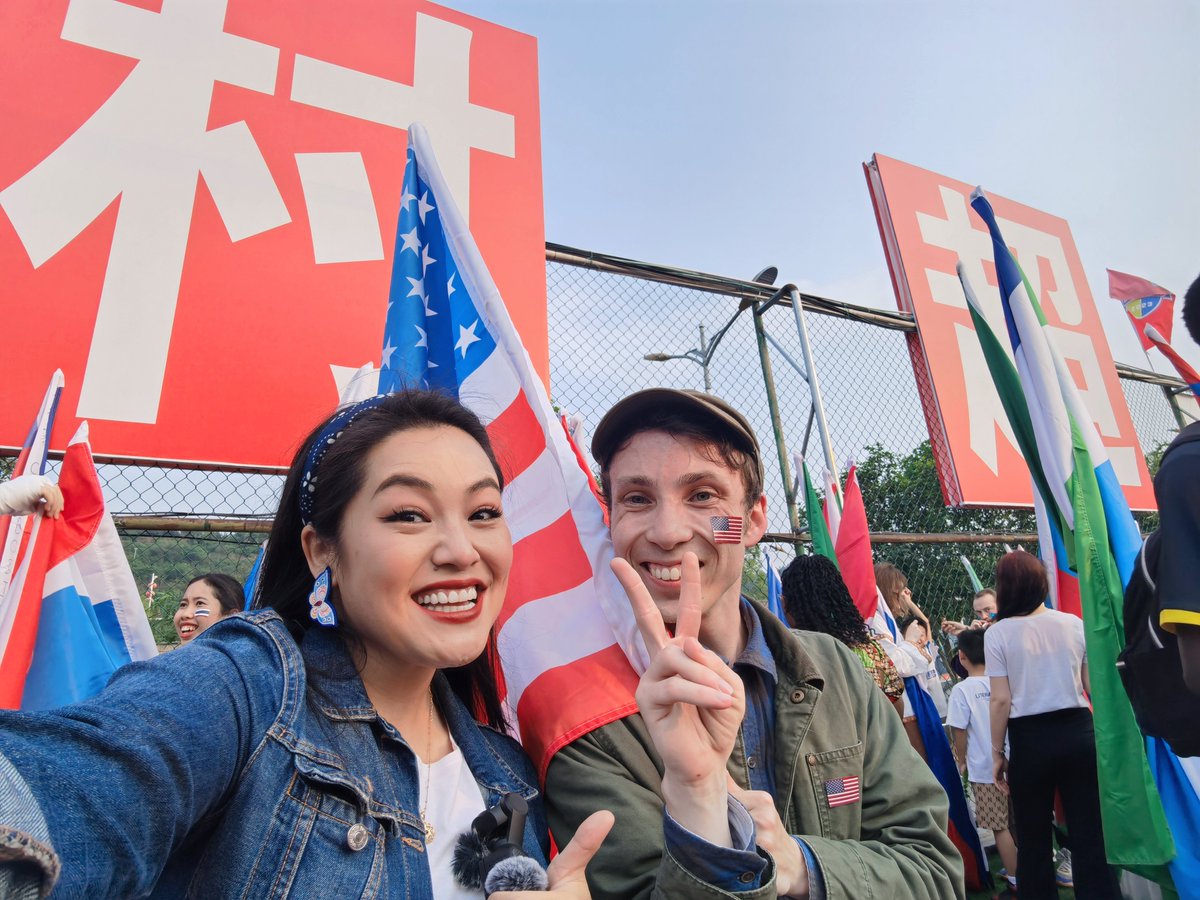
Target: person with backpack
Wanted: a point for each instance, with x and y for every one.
(1160, 665)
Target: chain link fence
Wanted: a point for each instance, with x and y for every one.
(617, 326)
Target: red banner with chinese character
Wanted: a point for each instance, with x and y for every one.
(926, 225)
(198, 205)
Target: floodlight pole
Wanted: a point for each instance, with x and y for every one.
(700, 357)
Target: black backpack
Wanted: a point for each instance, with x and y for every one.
(1150, 667)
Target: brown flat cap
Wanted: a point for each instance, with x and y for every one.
(638, 412)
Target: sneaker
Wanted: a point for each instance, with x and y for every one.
(1062, 875)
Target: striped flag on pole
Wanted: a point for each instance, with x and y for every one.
(1150, 309)
(30, 461)
(568, 643)
(774, 587)
(73, 614)
(853, 548)
(1083, 501)
(818, 528)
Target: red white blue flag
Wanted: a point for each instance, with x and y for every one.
(1147, 304)
(1150, 312)
(567, 640)
(73, 614)
(30, 461)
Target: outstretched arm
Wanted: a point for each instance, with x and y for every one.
(122, 778)
(28, 494)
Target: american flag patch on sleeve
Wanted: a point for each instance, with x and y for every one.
(840, 791)
(726, 529)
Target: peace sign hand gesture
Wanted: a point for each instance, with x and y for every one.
(692, 704)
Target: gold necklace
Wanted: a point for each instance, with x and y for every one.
(428, 826)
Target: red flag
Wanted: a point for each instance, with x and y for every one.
(72, 615)
(1146, 303)
(1186, 372)
(854, 548)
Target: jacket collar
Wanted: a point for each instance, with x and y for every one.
(337, 686)
(339, 694)
(790, 655)
(757, 652)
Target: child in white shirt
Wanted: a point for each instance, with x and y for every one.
(969, 723)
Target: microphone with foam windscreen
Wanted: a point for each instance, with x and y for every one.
(489, 856)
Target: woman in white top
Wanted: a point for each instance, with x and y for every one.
(893, 588)
(1038, 672)
(917, 644)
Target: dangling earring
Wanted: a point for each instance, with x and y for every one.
(320, 610)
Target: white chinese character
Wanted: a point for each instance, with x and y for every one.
(973, 246)
(439, 98)
(146, 145)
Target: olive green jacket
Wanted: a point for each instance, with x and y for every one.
(831, 722)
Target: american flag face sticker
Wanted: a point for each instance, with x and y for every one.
(726, 529)
(840, 791)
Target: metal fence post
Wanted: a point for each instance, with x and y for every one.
(814, 383)
(776, 424)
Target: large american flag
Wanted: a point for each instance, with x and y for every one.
(568, 644)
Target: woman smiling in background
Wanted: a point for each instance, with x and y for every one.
(207, 599)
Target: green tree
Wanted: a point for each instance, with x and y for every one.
(754, 576)
(175, 558)
(902, 494)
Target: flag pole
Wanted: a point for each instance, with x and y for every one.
(814, 384)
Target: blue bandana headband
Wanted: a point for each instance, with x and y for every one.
(325, 439)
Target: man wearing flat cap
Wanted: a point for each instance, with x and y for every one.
(763, 762)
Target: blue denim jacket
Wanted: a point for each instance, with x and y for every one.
(242, 766)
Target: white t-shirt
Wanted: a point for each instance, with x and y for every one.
(925, 671)
(1041, 654)
(454, 802)
(969, 701)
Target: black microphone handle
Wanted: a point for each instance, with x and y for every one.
(518, 810)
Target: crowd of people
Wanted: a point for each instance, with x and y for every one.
(338, 738)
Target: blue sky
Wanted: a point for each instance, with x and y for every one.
(728, 136)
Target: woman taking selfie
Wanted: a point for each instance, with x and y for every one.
(335, 743)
